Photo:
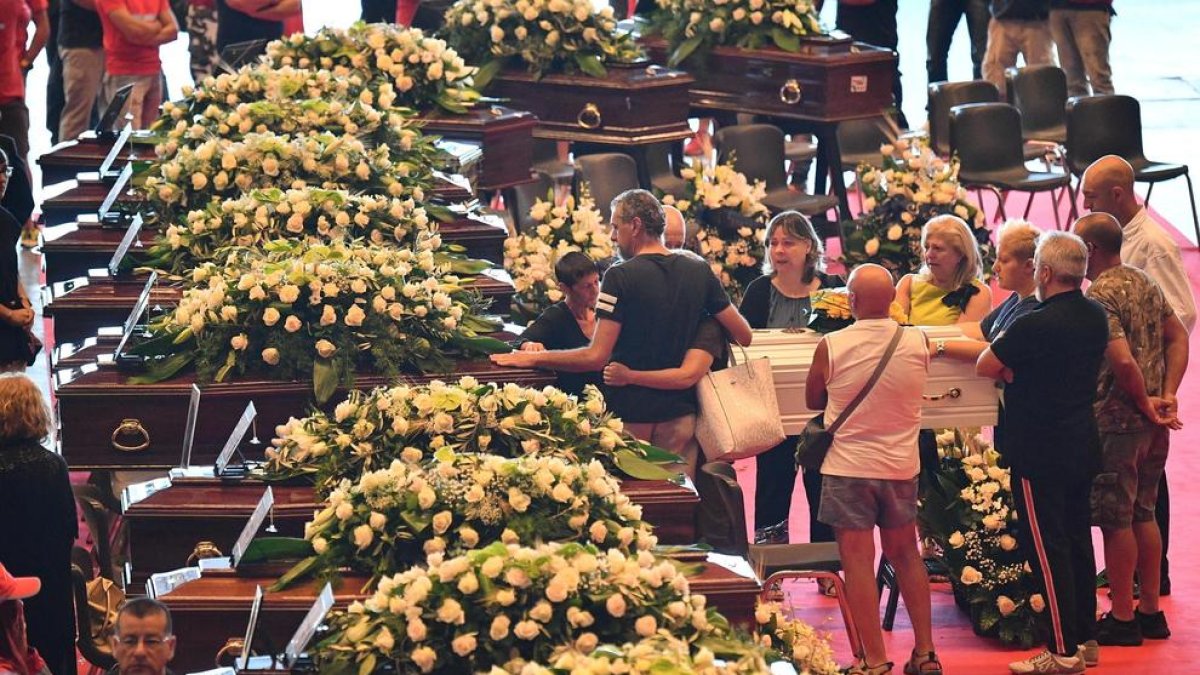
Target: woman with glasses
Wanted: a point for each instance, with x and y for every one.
(16, 312)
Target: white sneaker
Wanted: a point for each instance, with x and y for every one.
(1090, 653)
(1048, 662)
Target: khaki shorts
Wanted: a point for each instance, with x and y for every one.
(862, 503)
(1127, 488)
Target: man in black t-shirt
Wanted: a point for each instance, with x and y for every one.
(1050, 359)
(647, 314)
(80, 44)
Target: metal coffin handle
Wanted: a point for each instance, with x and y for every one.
(130, 430)
(954, 392)
(203, 550)
(791, 92)
(589, 117)
(233, 647)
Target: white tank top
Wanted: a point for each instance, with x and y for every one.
(879, 440)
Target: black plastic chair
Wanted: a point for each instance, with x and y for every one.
(607, 175)
(859, 142)
(546, 161)
(776, 563)
(987, 140)
(945, 95)
(1112, 125)
(526, 194)
(758, 152)
(663, 178)
(1040, 93)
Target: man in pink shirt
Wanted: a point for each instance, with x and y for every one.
(133, 31)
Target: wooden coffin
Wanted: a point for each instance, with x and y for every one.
(70, 249)
(65, 160)
(829, 79)
(100, 412)
(633, 105)
(82, 306)
(210, 610)
(164, 525)
(83, 196)
(505, 134)
(86, 351)
(954, 395)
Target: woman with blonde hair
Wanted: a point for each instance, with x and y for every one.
(39, 524)
(949, 287)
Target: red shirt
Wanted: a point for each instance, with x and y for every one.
(122, 57)
(15, 16)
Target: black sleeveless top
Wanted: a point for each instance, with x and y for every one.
(234, 27)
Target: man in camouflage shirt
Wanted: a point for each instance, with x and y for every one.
(1145, 360)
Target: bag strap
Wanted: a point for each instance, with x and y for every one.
(887, 355)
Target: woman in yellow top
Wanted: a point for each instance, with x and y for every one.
(949, 288)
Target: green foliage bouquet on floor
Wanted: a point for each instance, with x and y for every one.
(370, 429)
(390, 519)
(421, 69)
(913, 186)
(971, 515)
(693, 27)
(732, 221)
(298, 310)
(529, 258)
(543, 36)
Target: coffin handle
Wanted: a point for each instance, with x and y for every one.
(791, 92)
(954, 392)
(203, 550)
(589, 117)
(130, 430)
(233, 648)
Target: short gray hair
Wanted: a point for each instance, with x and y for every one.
(1065, 254)
(643, 205)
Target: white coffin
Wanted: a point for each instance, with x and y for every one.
(791, 354)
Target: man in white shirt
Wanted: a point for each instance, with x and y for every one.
(1107, 187)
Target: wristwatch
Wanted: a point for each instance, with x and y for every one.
(941, 347)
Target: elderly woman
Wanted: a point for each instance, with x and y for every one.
(39, 523)
(793, 270)
(949, 288)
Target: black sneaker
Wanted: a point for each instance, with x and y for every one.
(1153, 626)
(1164, 587)
(1111, 631)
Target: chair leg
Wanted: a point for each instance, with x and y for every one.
(893, 601)
(1149, 190)
(1074, 203)
(1028, 206)
(1192, 198)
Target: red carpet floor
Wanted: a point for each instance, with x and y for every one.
(963, 652)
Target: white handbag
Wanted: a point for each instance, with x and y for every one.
(739, 414)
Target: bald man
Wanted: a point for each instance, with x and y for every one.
(869, 477)
(1107, 187)
(1144, 363)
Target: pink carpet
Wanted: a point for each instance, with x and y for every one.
(961, 650)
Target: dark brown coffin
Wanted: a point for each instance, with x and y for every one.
(834, 80)
(71, 249)
(633, 105)
(93, 401)
(216, 607)
(68, 158)
(165, 526)
(83, 305)
(505, 134)
(75, 354)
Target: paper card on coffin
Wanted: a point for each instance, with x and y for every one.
(165, 525)
(103, 417)
(828, 79)
(791, 354)
(81, 307)
(65, 160)
(87, 198)
(505, 134)
(210, 610)
(633, 105)
(71, 249)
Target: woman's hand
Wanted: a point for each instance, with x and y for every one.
(533, 347)
(616, 374)
(22, 318)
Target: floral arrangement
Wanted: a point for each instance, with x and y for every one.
(392, 518)
(299, 310)
(795, 640)
(370, 429)
(659, 653)
(693, 27)
(547, 36)
(504, 602)
(732, 222)
(971, 517)
(830, 310)
(913, 186)
(530, 258)
(220, 168)
(264, 214)
(422, 69)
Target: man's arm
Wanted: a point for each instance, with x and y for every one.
(170, 29)
(735, 325)
(42, 21)
(990, 366)
(269, 10)
(144, 32)
(585, 359)
(696, 362)
(816, 391)
(1167, 270)
(1175, 339)
(1129, 378)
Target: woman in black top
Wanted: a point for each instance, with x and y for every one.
(569, 324)
(39, 524)
(16, 313)
(792, 271)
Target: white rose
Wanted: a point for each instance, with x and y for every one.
(416, 630)
(378, 520)
(1005, 605)
(270, 316)
(363, 536)
(615, 605)
(239, 342)
(442, 521)
(1037, 602)
(646, 626)
(872, 246)
(527, 630)
(292, 324)
(271, 356)
(956, 540)
(325, 348)
(970, 576)
(424, 657)
(499, 628)
(1007, 542)
(384, 640)
(464, 644)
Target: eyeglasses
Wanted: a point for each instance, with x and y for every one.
(8, 172)
(151, 641)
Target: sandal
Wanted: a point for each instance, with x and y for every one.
(861, 668)
(826, 588)
(923, 664)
